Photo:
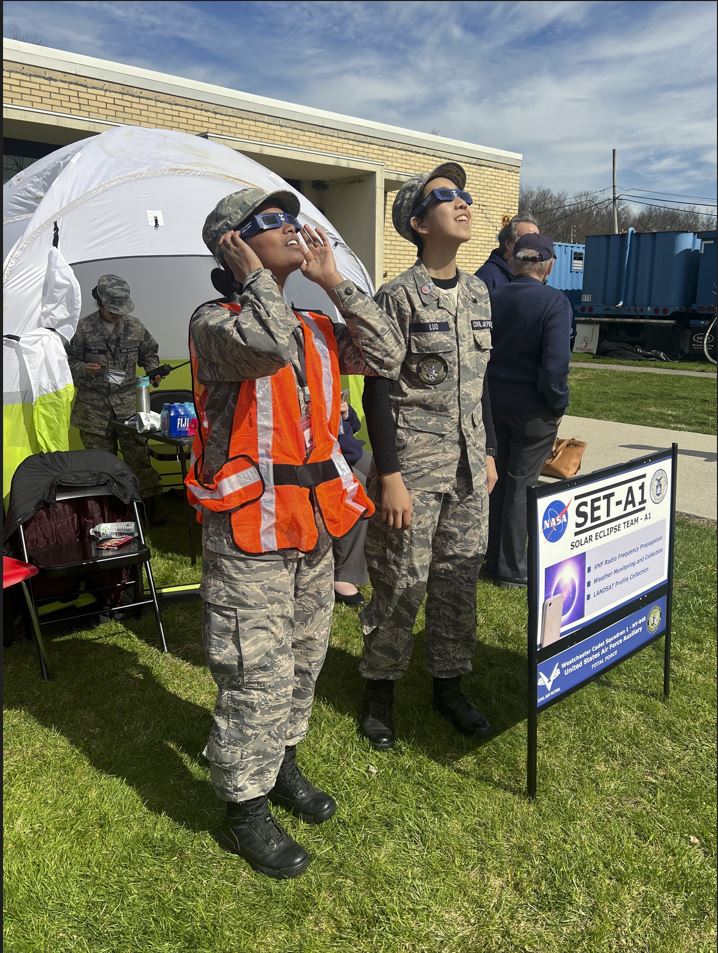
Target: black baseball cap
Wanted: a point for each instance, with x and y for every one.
(540, 244)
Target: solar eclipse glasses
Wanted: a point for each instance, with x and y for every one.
(441, 195)
(265, 221)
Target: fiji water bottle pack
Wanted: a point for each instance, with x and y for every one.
(178, 420)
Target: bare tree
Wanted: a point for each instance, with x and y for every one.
(570, 218)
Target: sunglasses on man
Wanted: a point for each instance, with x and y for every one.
(441, 195)
(265, 221)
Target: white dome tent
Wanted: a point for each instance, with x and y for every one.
(132, 202)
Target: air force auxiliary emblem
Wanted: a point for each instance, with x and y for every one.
(659, 485)
(432, 369)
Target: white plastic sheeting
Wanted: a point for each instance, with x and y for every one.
(131, 202)
(135, 194)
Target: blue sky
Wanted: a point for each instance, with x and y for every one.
(562, 82)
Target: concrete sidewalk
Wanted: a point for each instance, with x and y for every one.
(610, 443)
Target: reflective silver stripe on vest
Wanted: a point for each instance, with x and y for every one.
(227, 485)
(268, 500)
(349, 483)
(323, 350)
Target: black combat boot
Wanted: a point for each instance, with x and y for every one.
(250, 831)
(451, 702)
(377, 717)
(292, 791)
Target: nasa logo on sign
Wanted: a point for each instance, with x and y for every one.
(555, 520)
(659, 486)
(654, 618)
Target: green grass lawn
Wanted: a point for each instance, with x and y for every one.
(435, 849)
(704, 367)
(651, 400)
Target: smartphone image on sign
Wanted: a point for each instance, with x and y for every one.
(551, 622)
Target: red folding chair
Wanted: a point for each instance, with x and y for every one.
(15, 572)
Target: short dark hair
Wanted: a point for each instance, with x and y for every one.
(507, 235)
(416, 237)
(418, 241)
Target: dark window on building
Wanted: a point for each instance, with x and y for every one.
(18, 154)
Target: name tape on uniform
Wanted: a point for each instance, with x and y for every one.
(420, 327)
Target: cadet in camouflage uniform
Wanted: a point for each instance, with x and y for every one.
(267, 617)
(103, 356)
(429, 532)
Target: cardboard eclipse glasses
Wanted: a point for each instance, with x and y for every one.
(265, 221)
(441, 195)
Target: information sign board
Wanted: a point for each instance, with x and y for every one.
(600, 577)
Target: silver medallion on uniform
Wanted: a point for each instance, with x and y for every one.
(432, 369)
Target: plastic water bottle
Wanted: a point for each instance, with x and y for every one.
(142, 395)
(165, 419)
(178, 420)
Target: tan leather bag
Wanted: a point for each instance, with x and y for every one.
(565, 459)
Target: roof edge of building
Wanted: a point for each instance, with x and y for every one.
(31, 54)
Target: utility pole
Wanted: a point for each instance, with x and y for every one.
(615, 206)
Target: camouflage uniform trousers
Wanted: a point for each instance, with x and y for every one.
(266, 632)
(439, 554)
(134, 453)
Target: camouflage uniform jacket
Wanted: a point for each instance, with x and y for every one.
(437, 396)
(264, 337)
(129, 345)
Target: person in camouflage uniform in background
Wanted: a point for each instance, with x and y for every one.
(429, 532)
(103, 356)
(267, 616)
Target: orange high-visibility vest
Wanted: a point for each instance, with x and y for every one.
(267, 483)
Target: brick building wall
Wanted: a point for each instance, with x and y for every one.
(494, 186)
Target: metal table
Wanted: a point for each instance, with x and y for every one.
(183, 445)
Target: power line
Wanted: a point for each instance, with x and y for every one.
(676, 201)
(677, 194)
(585, 208)
(586, 195)
(581, 204)
(669, 208)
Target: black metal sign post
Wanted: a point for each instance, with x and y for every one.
(532, 722)
(605, 591)
(671, 552)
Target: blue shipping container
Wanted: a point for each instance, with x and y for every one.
(642, 271)
(706, 284)
(567, 271)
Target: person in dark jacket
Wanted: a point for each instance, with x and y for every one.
(528, 384)
(349, 562)
(496, 270)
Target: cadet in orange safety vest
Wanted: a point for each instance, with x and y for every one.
(272, 488)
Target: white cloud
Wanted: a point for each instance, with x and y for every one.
(561, 83)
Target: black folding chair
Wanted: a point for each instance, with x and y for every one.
(55, 499)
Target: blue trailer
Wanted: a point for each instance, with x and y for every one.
(567, 271)
(567, 275)
(655, 289)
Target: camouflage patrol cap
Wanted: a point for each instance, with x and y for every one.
(233, 209)
(113, 293)
(409, 195)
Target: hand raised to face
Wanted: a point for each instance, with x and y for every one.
(319, 264)
(238, 255)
